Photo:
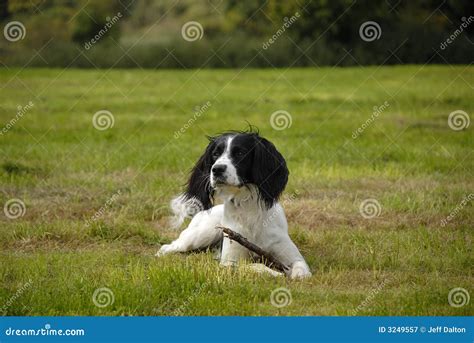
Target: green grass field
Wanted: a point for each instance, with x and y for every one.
(401, 262)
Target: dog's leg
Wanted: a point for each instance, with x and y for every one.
(300, 270)
(232, 252)
(201, 233)
(277, 241)
(287, 252)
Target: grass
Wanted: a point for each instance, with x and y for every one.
(402, 262)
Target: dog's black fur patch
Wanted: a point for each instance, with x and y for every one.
(256, 160)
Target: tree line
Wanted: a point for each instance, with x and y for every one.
(234, 33)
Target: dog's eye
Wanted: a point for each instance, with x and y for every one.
(216, 154)
(239, 153)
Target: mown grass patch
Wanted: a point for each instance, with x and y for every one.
(73, 239)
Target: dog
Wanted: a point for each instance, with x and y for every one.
(247, 174)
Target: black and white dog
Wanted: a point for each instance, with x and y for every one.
(248, 174)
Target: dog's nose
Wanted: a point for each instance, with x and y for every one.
(219, 169)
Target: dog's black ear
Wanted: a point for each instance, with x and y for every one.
(269, 171)
(198, 185)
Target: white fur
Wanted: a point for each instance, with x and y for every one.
(183, 208)
(230, 174)
(243, 213)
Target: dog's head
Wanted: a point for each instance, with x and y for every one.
(238, 159)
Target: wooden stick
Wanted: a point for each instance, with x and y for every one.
(256, 249)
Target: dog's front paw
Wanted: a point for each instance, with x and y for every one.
(300, 270)
(164, 250)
